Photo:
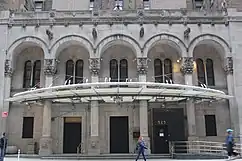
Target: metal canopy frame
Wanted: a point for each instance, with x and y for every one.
(113, 92)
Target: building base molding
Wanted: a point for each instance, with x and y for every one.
(94, 145)
(45, 146)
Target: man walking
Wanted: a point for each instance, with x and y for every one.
(3, 146)
(141, 148)
(230, 145)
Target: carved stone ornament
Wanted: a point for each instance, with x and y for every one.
(142, 32)
(8, 71)
(187, 65)
(142, 65)
(50, 67)
(94, 65)
(229, 65)
(224, 5)
(94, 33)
(49, 34)
(187, 32)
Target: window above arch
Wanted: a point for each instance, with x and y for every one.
(32, 72)
(163, 70)
(74, 71)
(205, 72)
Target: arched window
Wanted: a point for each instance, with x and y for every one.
(158, 69)
(113, 70)
(27, 74)
(36, 74)
(200, 71)
(210, 72)
(79, 71)
(168, 69)
(123, 66)
(69, 71)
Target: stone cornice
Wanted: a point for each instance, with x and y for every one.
(111, 17)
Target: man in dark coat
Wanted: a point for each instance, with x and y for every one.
(3, 146)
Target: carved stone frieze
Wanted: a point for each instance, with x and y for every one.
(229, 65)
(187, 65)
(142, 65)
(106, 16)
(50, 67)
(8, 70)
(94, 65)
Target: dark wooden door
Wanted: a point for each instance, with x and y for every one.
(72, 134)
(119, 134)
(161, 139)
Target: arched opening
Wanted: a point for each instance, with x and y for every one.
(69, 71)
(209, 70)
(123, 66)
(79, 71)
(73, 66)
(28, 64)
(164, 64)
(119, 61)
(27, 74)
(113, 70)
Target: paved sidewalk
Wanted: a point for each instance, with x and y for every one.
(29, 159)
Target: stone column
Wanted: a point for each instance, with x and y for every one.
(8, 71)
(46, 140)
(143, 105)
(234, 117)
(187, 70)
(94, 145)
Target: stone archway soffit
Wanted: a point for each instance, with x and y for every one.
(164, 36)
(84, 42)
(107, 40)
(226, 47)
(27, 39)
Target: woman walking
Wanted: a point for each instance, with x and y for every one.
(141, 148)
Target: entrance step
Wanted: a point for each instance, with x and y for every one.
(105, 156)
(91, 157)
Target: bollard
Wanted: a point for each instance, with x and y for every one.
(18, 154)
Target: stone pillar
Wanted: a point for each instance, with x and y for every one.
(234, 117)
(8, 71)
(46, 140)
(94, 145)
(187, 70)
(143, 105)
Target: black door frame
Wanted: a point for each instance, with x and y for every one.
(110, 135)
(71, 121)
(172, 137)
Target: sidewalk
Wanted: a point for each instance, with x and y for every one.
(34, 159)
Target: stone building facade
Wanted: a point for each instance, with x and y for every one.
(46, 43)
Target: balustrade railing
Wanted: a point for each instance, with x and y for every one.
(201, 147)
